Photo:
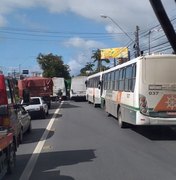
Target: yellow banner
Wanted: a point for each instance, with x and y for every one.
(121, 52)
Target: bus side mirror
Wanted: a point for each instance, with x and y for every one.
(86, 83)
(99, 84)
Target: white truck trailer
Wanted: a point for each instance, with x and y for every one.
(59, 88)
(78, 88)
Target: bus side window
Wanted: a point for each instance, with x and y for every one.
(105, 81)
(133, 77)
(121, 79)
(112, 80)
(109, 81)
(128, 78)
(117, 79)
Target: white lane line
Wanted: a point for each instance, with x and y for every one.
(32, 161)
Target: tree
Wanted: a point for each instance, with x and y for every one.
(88, 68)
(97, 57)
(53, 66)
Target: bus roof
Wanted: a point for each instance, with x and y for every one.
(95, 75)
(153, 56)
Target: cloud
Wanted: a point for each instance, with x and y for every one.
(74, 66)
(78, 42)
(8, 6)
(3, 21)
(78, 62)
(83, 54)
(55, 6)
(128, 13)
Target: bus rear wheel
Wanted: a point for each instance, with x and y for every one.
(94, 102)
(120, 119)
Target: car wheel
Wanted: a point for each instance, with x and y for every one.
(43, 115)
(29, 128)
(47, 112)
(20, 137)
(12, 159)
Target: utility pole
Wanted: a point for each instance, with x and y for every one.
(137, 49)
(149, 42)
(165, 22)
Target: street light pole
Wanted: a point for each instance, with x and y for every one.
(149, 38)
(136, 42)
(104, 16)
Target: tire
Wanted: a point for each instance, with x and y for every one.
(47, 112)
(103, 106)
(95, 105)
(11, 159)
(20, 137)
(29, 128)
(49, 105)
(120, 119)
(43, 115)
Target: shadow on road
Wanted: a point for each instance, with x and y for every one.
(35, 136)
(158, 133)
(46, 171)
(49, 116)
(68, 105)
(49, 163)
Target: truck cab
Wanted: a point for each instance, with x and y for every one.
(8, 126)
(9, 108)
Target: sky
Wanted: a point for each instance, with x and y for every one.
(72, 29)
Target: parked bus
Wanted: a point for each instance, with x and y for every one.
(142, 91)
(93, 88)
(78, 88)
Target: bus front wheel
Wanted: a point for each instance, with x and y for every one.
(120, 119)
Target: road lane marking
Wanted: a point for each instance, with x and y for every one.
(32, 161)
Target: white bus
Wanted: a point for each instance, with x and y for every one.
(59, 88)
(142, 91)
(93, 88)
(78, 88)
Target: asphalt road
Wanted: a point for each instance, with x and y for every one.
(80, 142)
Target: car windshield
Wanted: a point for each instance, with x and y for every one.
(35, 101)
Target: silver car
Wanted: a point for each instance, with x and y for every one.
(24, 120)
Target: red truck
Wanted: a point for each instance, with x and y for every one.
(8, 126)
(7, 152)
(36, 86)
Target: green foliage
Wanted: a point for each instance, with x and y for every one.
(53, 66)
(97, 58)
(68, 84)
(87, 69)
